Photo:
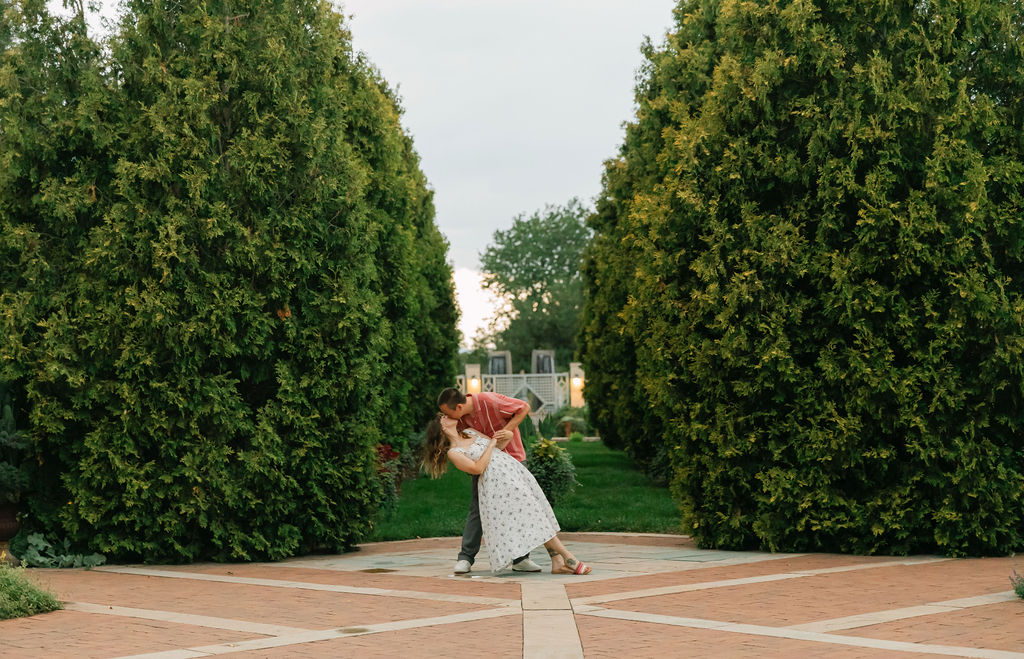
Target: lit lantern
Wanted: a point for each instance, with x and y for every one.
(576, 377)
(472, 379)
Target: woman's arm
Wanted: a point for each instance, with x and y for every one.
(464, 463)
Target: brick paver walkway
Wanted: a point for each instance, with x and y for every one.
(649, 596)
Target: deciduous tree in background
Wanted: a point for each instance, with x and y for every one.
(811, 242)
(535, 268)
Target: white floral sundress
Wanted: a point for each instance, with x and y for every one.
(514, 513)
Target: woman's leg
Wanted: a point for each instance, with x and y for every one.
(562, 560)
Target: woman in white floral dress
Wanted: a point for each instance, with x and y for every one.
(514, 513)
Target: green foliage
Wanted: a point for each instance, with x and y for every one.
(548, 427)
(535, 266)
(389, 475)
(527, 431)
(576, 422)
(397, 462)
(1017, 582)
(553, 425)
(19, 597)
(636, 503)
(478, 355)
(13, 478)
(408, 447)
(576, 437)
(40, 553)
(552, 466)
(427, 508)
(219, 275)
(430, 508)
(622, 412)
(808, 266)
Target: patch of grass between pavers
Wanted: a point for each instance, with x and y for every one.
(19, 597)
(1018, 584)
(614, 495)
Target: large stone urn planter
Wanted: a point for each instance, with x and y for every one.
(8, 527)
(8, 521)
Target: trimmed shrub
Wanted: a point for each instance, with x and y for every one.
(224, 284)
(812, 242)
(552, 466)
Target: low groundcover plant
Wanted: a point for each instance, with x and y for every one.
(19, 597)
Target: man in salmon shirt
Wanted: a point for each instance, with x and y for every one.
(496, 416)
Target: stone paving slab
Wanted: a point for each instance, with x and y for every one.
(765, 564)
(501, 638)
(833, 595)
(649, 596)
(603, 639)
(996, 626)
(87, 636)
(359, 579)
(285, 606)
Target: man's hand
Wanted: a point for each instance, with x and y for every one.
(503, 435)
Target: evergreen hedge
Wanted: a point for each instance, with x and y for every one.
(222, 285)
(619, 407)
(814, 232)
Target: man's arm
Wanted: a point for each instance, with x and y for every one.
(514, 422)
(518, 409)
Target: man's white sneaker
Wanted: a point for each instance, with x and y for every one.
(526, 565)
(463, 566)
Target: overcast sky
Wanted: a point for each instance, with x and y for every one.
(511, 104)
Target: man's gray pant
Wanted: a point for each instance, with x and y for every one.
(473, 531)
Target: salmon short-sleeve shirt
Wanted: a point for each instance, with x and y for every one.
(490, 414)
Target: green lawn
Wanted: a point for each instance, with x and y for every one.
(613, 495)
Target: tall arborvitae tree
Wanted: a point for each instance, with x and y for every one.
(239, 330)
(828, 293)
(415, 279)
(435, 314)
(619, 408)
(56, 162)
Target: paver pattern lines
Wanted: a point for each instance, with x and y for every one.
(649, 596)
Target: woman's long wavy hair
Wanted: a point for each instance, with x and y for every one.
(435, 449)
